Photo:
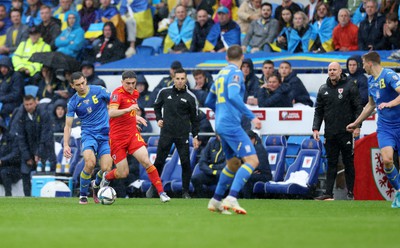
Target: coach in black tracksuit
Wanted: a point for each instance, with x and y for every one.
(338, 104)
(179, 117)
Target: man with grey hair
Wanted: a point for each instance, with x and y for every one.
(370, 32)
(345, 34)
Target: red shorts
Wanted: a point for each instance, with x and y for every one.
(121, 147)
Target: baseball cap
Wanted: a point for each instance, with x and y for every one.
(176, 65)
(223, 9)
(34, 30)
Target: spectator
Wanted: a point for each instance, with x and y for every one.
(391, 32)
(370, 32)
(36, 139)
(49, 85)
(207, 5)
(324, 24)
(249, 11)
(345, 34)
(336, 5)
(310, 9)
(11, 87)
(261, 32)
(70, 41)
(201, 28)
(274, 94)
(138, 21)
(61, 11)
(356, 75)
(58, 112)
(201, 88)
(25, 50)
(160, 13)
(50, 27)
(211, 162)
(109, 13)
(294, 7)
(188, 4)
(359, 14)
(165, 81)
(87, 69)
(251, 82)
(108, 47)
(18, 5)
(389, 6)
(268, 70)
(180, 32)
(5, 23)
(298, 39)
(223, 34)
(31, 16)
(142, 87)
(88, 13)
(298, 93)
(9, 158)
(263, 172)
(337, 108)
(142, 128)
(232, 7)
(177, 119)
(285, 19)
(15, 34)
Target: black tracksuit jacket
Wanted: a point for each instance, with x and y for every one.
(180, 112)
(338, 105)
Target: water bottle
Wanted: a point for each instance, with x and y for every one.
(66, 167)
(58, 168)
(47, 166)
(39, 166)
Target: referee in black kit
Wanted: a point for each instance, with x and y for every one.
(179, 117)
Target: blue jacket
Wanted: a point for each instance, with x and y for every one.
(371, 34)
(298, 91)
(278, 98)
(359, 78)
(212, 159)
(9, 152)
(71, 40)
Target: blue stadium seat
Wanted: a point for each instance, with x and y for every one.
(172, 176)
(293, 146)
(305, 168)
(31, 90)
(154, 42)
(276, 148)
(145, 50)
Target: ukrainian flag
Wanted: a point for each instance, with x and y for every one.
(175, 36)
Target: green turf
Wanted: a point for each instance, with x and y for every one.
(61, 222)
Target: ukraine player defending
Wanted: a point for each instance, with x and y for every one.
(125, 137)
(226, 100)
(90, 105)
(383, 91)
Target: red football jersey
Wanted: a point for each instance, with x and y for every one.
(125, 125)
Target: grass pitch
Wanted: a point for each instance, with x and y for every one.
(62, 222)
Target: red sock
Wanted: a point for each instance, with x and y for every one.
(111, 175)
(154, 178)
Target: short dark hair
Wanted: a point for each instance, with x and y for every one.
(198, 72)
(128, 74)
(392, 17)
(266, 3)
(29, 97)
(16, 10)
(287, 62)
(278, 76)
(234, 52)
(77, 75)
(372, 57)
(179, 70)
(270, 62)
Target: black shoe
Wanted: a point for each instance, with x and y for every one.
(151, 192)
(185, 195)
(324, 197)
(350, 196)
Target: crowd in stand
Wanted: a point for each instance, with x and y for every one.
(99, 33)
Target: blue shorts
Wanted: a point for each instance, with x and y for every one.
(389, 137)
(97, 143)
(236, 144)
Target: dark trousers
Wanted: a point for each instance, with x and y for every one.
(247, 191)
(340, 143)
(201, 179)
(8, 176)
(182, 145)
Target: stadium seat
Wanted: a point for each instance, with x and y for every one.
(293, 146)
(145, 50)
(276, 148)
(154, 42)
(302, 175)
(153, 141)
(31, 90)
(172, 174)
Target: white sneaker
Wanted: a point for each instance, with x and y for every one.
(232, 203)
(130, 52)
(104, 182)
(164, 197)
(216, 206)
